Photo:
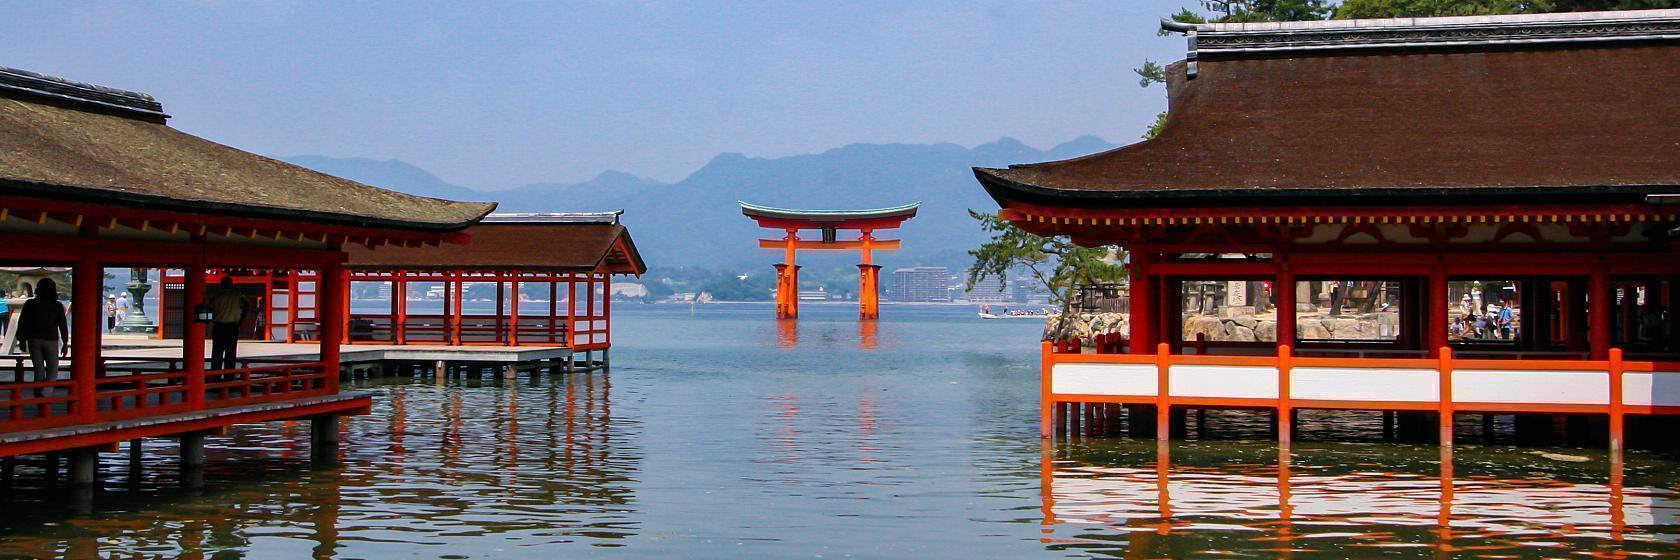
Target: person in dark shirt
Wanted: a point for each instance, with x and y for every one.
(42, 327)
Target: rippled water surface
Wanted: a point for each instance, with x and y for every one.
(724, 434)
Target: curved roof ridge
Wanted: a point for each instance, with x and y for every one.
(746, 207)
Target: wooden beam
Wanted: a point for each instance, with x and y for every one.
(882, 244)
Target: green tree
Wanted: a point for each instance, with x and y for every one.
(1055, 263)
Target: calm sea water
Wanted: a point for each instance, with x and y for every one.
(724, 434)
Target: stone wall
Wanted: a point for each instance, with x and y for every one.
(1263, 328)
(1237, 327)
(1085, 326)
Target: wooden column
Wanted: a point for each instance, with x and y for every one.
(192, 342)
(334, 295)
(606, 314)
(513, 313)
(787, 279)
(571, 310)
(1284, 287)
(1672, 304)
(399, 294)
(1599, 300)
(1439, 312)
(553, 311)
(457, 312)
(86, 322)
(1142, 298)
(501, 305)
(869, 292)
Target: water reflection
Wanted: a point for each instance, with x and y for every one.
(1131, 498)
(526, 462)
(787, 333)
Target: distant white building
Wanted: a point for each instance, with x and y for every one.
(989, 290)
(629, 290)
(922, 284)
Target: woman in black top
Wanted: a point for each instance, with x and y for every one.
(42, 326)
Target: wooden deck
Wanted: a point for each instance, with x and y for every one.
(106, 433)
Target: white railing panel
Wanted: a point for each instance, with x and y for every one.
(1531, 387)
(1233, 382)
(1365, 384)
(1104, 379)
(1651, 388)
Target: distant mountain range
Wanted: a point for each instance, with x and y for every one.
(695, 221)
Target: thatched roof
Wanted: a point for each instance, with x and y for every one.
(64, 140)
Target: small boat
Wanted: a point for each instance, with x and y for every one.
(986, 313)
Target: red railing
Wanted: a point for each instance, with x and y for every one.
(479, 330)
(1284, 363)
(134, 387)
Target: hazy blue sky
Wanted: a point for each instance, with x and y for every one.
(495, 95)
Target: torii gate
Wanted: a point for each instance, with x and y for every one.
(829, 222)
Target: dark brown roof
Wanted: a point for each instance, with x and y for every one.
(68, 141)
(1278, 112)
(531, 245)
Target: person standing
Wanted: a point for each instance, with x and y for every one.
(227, 312)
(110, 312)
(42, 326)
(1507, 320)
(5, 313)
(122, 306)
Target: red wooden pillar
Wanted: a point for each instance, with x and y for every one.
(1599, 300)
(399, 293)
(456, 298)
(571, 310)
(344, 303)
(606, 307)
(1575, 315)
(553, 310)
(1284, 287)
(501, 307)
(88, 319)
(192, 343)
(334, 297)
(513, 327)
(1439, 312)
(1141, 315)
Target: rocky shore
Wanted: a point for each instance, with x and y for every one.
(1235, 327)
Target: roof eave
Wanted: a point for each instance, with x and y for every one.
(72, 193)
(1004, 190)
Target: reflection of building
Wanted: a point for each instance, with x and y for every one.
(1395, 198)
(922, 283)
(1318, 502)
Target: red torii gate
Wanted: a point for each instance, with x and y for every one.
(829, 222)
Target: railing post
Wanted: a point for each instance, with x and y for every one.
(1446, 411)
(1617, 416)
(1285, 363)
(1163, 401)
(1046, 403)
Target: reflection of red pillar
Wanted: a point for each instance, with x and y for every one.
(869, 291)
